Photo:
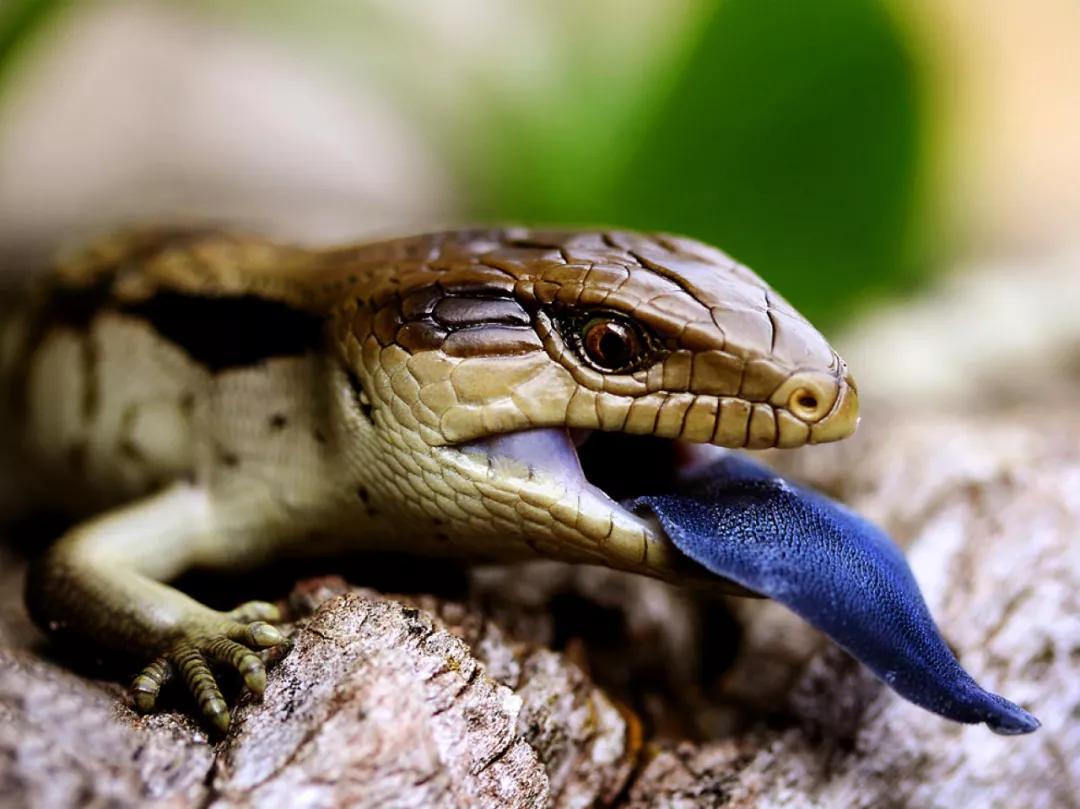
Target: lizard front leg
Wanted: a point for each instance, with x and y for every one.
(102, 583)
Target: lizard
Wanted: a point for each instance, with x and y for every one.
(206, 398)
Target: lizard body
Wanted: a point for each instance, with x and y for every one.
(216, 399)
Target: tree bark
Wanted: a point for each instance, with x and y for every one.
(577, 687)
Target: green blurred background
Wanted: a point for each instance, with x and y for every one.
(810, 140)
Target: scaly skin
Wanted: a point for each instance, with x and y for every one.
(328, 399)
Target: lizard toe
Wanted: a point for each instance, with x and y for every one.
(252, 611)
(195, 671)
(146, 687)
(240, 658)
(257, 635)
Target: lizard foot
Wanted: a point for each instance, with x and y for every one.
(231, 642)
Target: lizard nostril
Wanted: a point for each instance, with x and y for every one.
(804, 403)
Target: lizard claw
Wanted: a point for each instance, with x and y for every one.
(231, 644)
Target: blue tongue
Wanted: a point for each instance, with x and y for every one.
(742, 521)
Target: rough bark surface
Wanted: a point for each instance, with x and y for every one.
(581, 687)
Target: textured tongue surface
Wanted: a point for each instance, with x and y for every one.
(844, 576)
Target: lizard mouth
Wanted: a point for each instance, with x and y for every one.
(605, 466)
(742, 523)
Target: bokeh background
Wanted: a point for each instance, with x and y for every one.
(848, 150)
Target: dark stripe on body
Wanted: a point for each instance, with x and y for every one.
(230, 332)
(218, 333)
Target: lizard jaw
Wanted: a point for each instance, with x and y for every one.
(585, 472)
(549, 452)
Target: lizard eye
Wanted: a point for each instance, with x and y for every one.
(612, 344)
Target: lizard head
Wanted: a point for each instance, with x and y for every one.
(542, 377)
